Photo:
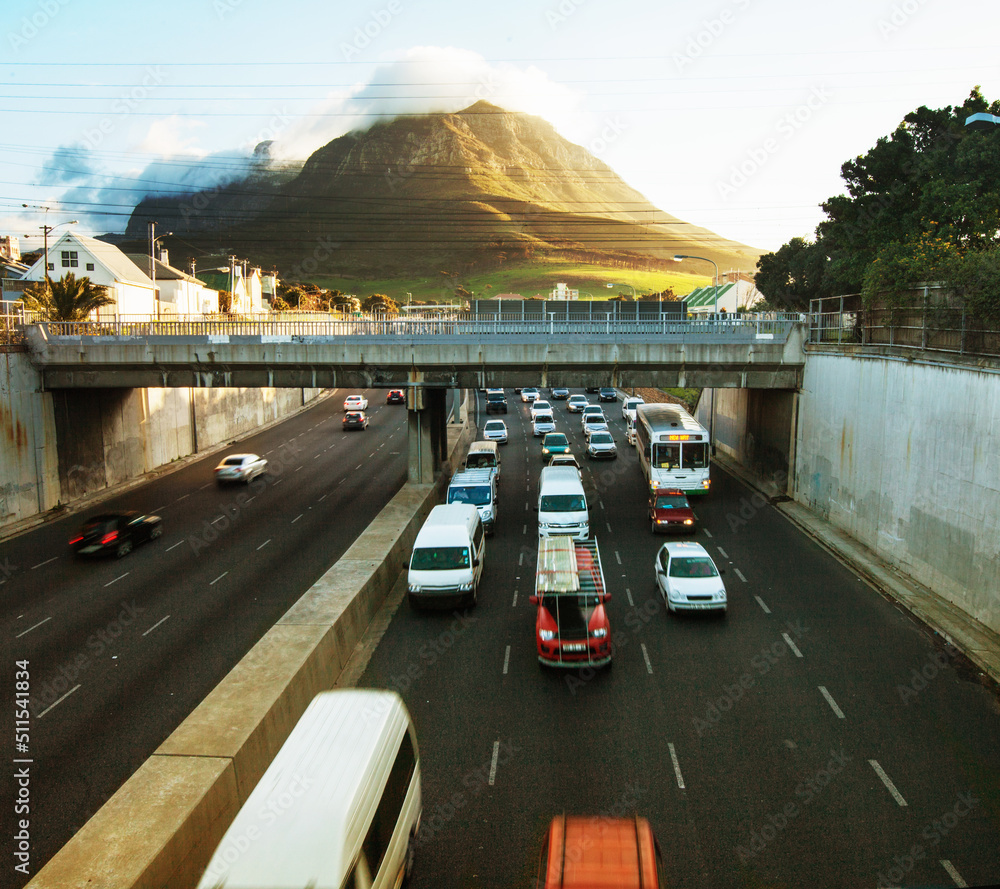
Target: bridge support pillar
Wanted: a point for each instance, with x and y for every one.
(427, 434)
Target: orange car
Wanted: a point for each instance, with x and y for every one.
(592, 852)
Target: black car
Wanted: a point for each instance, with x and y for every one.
(396, 396)
(560, 394)
(496, 402)
(355, 420)
(591, 389)
(608, 393)
(115, 532)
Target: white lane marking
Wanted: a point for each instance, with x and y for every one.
(506, 660)
(618, 557)
(493, 764)
(280, 480)
(514, 603)
(722, 552)
(628, 595)
(207, 484)
(265, 543)
(887, 781)
(791, 645)
(520, 559)
(174, 546)
(524, 529)
(25, 632)
(739, 574)
(57, 701)
(525, 505)
(677, 766)
(954, 874)
(160, 621)
(321, 499)
(760, 602)
(184, 497)
(645, 657)
(298, 468)
(299, 516)
(251, 499)
(46, 562)
(317, 456)
(119, 577)
(831, 701)
(218, 519)
(359, 465)
(707, 532)
(601, 503)
(214, 582)
(609, 527)
(341, 482)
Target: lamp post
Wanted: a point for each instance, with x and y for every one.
(679, 256)
(46, 228)
(617, 284)
(153, 238)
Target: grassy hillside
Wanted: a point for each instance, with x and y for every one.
(528, 280)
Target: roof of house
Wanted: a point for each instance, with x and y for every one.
(164, 272)
(705, 296)
(117, 263)
(215, 278)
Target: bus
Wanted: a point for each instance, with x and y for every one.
(673, 448)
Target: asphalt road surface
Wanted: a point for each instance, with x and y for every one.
(816, 736)
(121, 651)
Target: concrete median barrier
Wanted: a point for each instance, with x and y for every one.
(162, 825)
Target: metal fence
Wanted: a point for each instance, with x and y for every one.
(725, 328)
(927, 326)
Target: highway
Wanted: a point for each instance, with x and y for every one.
(815, 736)
(121, 651)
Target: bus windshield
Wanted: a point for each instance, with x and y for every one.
(666, 456)
(695, 455)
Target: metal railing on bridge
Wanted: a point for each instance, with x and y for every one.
(731, 328)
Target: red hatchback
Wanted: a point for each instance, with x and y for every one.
(670, 512)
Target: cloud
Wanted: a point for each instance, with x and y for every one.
(431, 79)
(68, 164)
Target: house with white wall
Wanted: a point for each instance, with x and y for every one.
(129, 287)
(179, 292)
(243, 283)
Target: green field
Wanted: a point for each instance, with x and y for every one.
(536, 279)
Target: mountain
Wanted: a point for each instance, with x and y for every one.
(479, 187)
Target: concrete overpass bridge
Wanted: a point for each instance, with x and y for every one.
(425, 356)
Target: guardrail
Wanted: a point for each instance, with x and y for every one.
(740, 329)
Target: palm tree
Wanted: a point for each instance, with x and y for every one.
(68, 299)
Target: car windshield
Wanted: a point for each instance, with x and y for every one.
(443, 558)
(671, 501)
(480, 461)
(693, 566)
(477, 495)
(601, 438)
(555, 439)
(543, 418)
(494, 426)
(233, 461)
(563, 503)
(594, 418)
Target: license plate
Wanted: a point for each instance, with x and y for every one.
(578, 646)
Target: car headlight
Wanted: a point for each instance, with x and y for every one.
(487, 514)
(413, 587)
(545, 450)
(720, 595)
(546, 635)
(688, 521)
(599, 633)
(465, 587)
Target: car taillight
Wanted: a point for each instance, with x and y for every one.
(76, 539)
(108, 538)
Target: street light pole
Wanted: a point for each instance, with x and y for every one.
(46, 228)
(678, 257)
(152, 262)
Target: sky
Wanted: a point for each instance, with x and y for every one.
(734, 115)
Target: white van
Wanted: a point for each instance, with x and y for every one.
(447, 558)
(562, 503)
(478, 487)
(338, 807)
(484, 455)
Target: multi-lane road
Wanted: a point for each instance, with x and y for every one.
(815, 736)
(121, 651)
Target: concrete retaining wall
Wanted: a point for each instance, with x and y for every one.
(59, 446)
(161, 828)
(905, 458)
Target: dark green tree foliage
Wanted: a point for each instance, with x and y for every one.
(931, 179)
(68, 299)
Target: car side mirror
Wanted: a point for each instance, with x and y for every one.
(535, 507)
(533, 599)
(722, 571)
(475, 563)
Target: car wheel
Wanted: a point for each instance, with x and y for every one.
(157, 531)
(123, 549)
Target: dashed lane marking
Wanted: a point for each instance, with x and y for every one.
(57, 702)
(493, 763)
(645, 657)
(739, 574)
(677, 766)
(265, 543)
(887, 781)
(214, 582)
(831, 701)
(506, 660)
(160, 621)
(25, 632)
(791, 645)
(119, 577)
(760, 602)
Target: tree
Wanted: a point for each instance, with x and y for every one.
(380, 303)
(68, 299)
(279, 305)
(225, 301)
(930, 178)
